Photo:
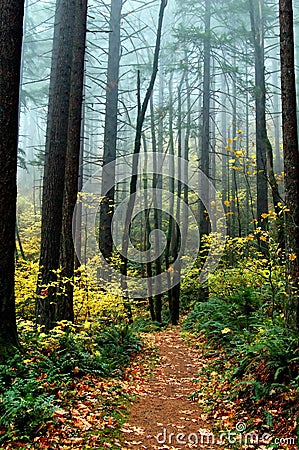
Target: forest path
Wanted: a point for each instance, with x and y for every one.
(164, 417)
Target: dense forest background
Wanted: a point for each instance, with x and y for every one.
(155, 146)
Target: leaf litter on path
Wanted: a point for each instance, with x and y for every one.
(164, 416)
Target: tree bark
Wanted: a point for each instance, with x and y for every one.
(224, 157)
(110, 132)
(171, 232)
(236, 229)
(205, 155)
(157, 201)
(291, 158)
(65, 309)
(205, 150)
(54, 172)
(175, 240)
(176, 290)
(149, 271)
(11, 31)
(260, 104)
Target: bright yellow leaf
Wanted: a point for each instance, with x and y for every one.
(225, 330)
(292, 256)
(239, 153)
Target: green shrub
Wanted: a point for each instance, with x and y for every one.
(222, 319)
(273, 355)
(25, 407)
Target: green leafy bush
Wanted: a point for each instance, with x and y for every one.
(273, 355)
(222, 319)
(24, 407)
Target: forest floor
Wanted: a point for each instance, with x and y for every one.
(152, 405)
(165, 417)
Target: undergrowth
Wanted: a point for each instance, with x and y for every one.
(253, 369)
(30, 381)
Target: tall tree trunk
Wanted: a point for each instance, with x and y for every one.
(213, 127)
(296, 42)
(291, 158)
(55, 49)
(256, 17)
(110, 131)
(54, 172)
(176, 289)
(65, 309)
(276, 198)
(248, 198)
(174, 292)
(78, 223)
(171, 222)
(278, 165)
(205, 150)
(18, 238)
(205, 156)
(236, 217)
(11, 32)
(224, 158)
(157, 146)
(149, 271)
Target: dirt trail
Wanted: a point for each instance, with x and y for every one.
(164, 417)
